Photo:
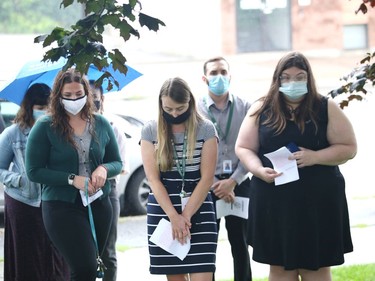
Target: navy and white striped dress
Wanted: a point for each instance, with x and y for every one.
(202, 255)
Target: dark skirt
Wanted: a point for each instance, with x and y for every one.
(28, 253)
(302, 224)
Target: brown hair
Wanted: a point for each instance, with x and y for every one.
(274, 104)
(36, 94)
(214, 59)
(60, 119)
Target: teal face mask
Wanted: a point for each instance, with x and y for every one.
(38, 113)
(294, 90)
(218, 85)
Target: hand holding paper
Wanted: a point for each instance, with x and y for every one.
(162, 237)
(239, 208)
(282, 164)
(92, 198)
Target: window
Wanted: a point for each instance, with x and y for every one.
(355, 37)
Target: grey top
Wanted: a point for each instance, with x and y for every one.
(83, 146)
(206, 130)
(226, 146)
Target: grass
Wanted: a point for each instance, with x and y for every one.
(362, 272)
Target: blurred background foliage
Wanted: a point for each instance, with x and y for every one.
(30, 17)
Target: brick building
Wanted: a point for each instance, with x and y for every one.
(202, 28)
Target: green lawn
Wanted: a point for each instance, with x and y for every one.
(363, 272)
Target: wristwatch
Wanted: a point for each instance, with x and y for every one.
(71, 179)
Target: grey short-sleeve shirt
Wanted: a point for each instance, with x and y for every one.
(206, 130)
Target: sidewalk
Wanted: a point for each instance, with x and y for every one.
(134, 263)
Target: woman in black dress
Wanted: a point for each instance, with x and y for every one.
(179, 153)
(300, 228)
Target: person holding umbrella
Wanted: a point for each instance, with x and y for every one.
(28, 251)
(73, 152)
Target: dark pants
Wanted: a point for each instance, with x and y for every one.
(69, 229)
(237, 235)
(109, 254)
(29, 254)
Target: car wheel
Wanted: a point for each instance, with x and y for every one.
(136, 194)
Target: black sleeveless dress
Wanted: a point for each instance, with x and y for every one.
(302, 224)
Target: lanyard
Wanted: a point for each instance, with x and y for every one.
(215, 122)
(181, 165)
(101, 266)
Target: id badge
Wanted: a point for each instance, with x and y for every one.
(184, 201)
(227, 166)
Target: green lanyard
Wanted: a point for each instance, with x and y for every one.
(215, 122)
(181, 166)
(100, 265)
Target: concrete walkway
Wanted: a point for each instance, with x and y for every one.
(134, 262)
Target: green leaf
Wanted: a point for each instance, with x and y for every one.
(88, 21)
(94, 7)
(66, 3)
(151, 22)
(55, 35)
(126, 30)
(127, 11)
(40, 38)
(112, 19)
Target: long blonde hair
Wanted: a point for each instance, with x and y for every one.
(179, 91)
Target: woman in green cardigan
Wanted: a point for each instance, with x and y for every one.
(67, 148)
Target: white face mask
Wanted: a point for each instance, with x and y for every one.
(74, 106)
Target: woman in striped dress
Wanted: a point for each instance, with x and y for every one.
(179, 153)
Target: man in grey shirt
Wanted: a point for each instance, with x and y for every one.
(227, 112)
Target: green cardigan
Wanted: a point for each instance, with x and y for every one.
(50, 159)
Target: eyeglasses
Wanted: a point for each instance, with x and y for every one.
(299, 78)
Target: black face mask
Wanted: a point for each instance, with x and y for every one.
(176, 120)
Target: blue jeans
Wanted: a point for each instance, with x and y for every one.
(109, 253)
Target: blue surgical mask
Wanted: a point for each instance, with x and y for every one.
(218, 84)
(294, 90)
(38, 113)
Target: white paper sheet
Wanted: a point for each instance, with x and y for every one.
(282, 164)
(238, 208)
(162, 237)
(92, 198)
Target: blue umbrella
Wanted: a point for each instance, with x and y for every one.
(45, 72)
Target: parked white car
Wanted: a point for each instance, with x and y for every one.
(133, 188)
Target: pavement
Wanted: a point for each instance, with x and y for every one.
(133, 263)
